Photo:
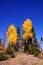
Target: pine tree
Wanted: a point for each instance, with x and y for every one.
(0, 41)
(18, 40)
(41, 39)
(35, 44)
(18, 31)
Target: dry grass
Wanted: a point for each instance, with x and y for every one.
(23, 59)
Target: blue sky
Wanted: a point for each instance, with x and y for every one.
(16, 11)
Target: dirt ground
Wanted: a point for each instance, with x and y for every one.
(23, 59)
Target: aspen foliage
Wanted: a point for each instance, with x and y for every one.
(27, 28)
(12, 35)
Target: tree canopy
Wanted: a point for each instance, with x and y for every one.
(27, 28)
(12, 35)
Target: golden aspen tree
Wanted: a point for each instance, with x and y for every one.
(12, 35)
(27, 34)
(27, 28)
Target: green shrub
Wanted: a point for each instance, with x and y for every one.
(9, 51)
(35, 51)
(12, 55)
(2, 57)
(28, 50)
